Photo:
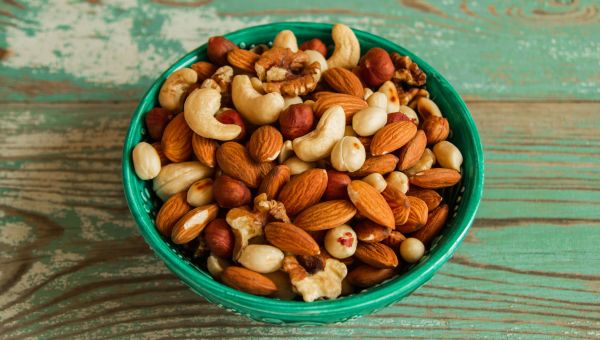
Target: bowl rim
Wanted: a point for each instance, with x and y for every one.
(401, 285)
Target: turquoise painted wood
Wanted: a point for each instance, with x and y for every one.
(72, 263)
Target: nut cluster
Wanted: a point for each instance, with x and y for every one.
(299, 170)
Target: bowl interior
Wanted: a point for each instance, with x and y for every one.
(463, 199)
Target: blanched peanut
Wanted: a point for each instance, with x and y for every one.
(348, 154)
(368, 121)
(261, 258)
(425, 163)
(398, 180)
(448, 155)
(146, 161)
(216, 265)
(376, 180)
(340, 242)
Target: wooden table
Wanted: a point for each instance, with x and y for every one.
(74, 265)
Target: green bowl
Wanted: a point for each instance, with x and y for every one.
(463, 199)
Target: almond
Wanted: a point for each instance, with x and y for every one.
(265, 144)
(370, 203)
(325, 215)
(399, 203)
(177, 140)
(163, 159)
(274, 181)
(349, 103)
(344, 81)
(365, 276)
(369, 231)
(303, 190)
(435, 222)
(204, 69)
(412, 151)
(171, 211)
(192, 223)
(378, 164)
(429, 196)
(435, 178)
(290, 238)
(205, 150)
(242, 59)
(417, 216)
(377, 255)
(394, 239)
(392, 137)
(248, 281)
(235, 161)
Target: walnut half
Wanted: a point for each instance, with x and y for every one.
(326, 283)
(289, 73)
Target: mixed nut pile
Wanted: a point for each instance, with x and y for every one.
(288, 173)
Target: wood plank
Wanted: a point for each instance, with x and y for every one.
(97, 50)
(73, 264)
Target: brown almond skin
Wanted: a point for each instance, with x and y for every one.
(205, 150)
(303, 190)
(230, 192)
(429, 196)
(435, 178)
(243, 60)
(171, 211)
(344, 81)
(290, 238)
(182, 235)
(370, 204)
(217, 49)
(234, 161)
(399, 203)
(177, 140)
(248, 281)
(377, 255)
(219, 238)
(381, 164)
(274, 181)
(369, 231)
(265, 144)
(417, 216)
(365, 276)
(204, 70)
(394, 239)
(412, 151)
(325, 215)
(337, 184)
(392, 137)
(435, 222)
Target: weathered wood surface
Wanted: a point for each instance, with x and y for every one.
(112, 50)
(72, 264)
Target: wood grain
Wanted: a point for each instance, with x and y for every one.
(74, 266)
(492, 50)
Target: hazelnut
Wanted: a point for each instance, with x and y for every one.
(376, 67)
(436, 129)
(231, 193)
(156, 122)
(219, 238)
(315, 45)
(411, 250)
(217, 50)
(348, 154)
(230, 116)
(337, 183)
(341, 242)
(296, 121)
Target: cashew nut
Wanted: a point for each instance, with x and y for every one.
(379, 100)
(318, 143)
(286, 39)
(347, 48)
(318, 57)
(393, 101)
(367, 121)
(257, 108)
(368, 93)
(199, 112)
(172, 93)
(286, 152)
(348, 154)
(257, 84)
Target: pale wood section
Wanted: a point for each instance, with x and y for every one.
(73, 263)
